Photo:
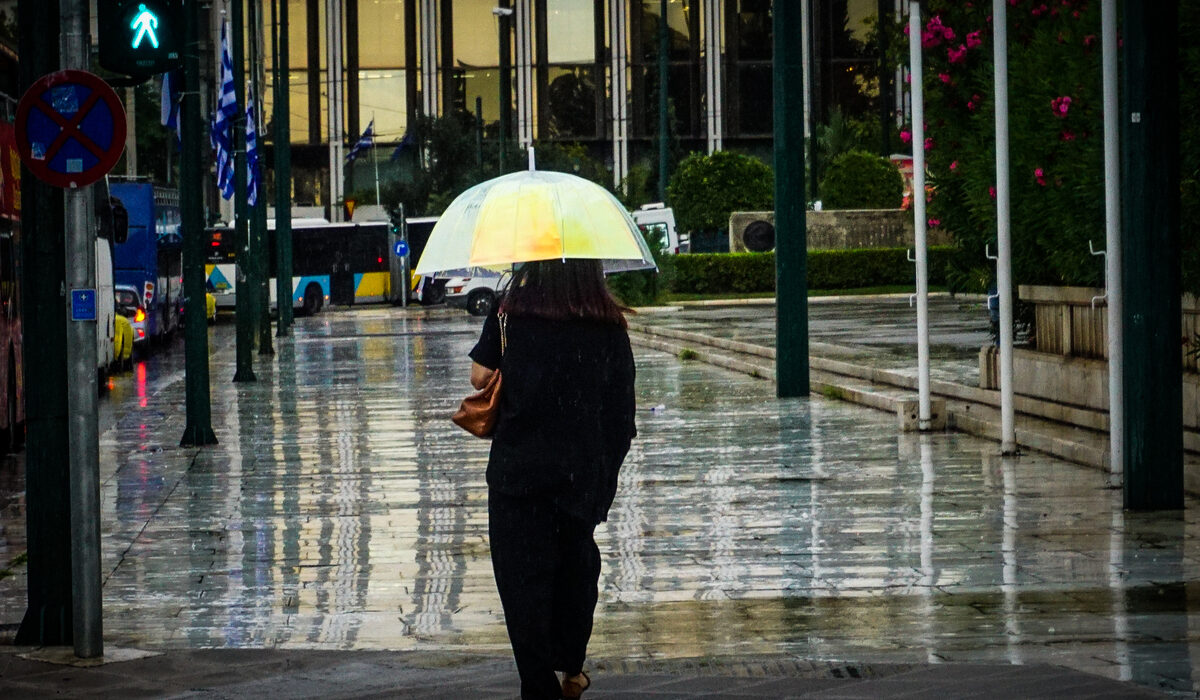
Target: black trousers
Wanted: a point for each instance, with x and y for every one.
(547, 567)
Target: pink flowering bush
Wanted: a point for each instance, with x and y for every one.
(1055, 131)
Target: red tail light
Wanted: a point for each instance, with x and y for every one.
(139, 316)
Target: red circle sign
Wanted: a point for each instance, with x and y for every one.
(70, 128)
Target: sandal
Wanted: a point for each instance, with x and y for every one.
(573, 687)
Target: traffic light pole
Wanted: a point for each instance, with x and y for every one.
(246, 290)
(283, 169)
(82, 391)
(195, 334)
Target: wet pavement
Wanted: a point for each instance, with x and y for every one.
(800, 538)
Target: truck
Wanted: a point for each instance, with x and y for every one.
(151, 258)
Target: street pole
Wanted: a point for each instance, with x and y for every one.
(244, 309)
(198, 430)
(663, 117)
(47, 619)
(791, 236)
(262, 280)
(83, 423)
(478, 131)
(283, 174)
(503, 17)
(1150, 249)
(1112, 237)
(1008, 435)
(924, 403)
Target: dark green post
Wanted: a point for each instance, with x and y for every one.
(191, 209)
(664, 46)
(258, 214)
(504, 19)
(886, 96)
(479, 131)
(283, 172)
(244, 284)
(1153, 469)
(791, 236)
(48, 616)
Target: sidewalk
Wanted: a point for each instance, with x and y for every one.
(334, 543)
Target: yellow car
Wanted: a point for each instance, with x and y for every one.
(122, 343)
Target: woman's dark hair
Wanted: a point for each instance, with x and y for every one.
(561, 290)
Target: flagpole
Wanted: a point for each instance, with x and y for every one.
(375, 160)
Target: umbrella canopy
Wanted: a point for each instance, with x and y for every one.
(534, 215)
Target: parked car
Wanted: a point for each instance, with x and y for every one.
(122, 343)
(476, 293)
(131, 305)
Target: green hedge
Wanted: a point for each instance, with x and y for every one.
(718, 273)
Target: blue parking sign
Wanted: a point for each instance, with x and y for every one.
(83, 305)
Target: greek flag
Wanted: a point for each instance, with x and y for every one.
(170, 101)
(405, 143)
(253, 171)
(222, 129)
(367, 140)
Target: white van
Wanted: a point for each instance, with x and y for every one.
(106, 313)
(660, 218)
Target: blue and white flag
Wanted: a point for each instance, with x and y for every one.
(405, 143)
(171, 94)
(227, 110)
(253, 172)
(367, 140)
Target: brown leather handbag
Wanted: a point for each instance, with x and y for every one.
(478, 413)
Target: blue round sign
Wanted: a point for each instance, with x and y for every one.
(401, 248)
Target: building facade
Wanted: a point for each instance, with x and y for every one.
(581, 71)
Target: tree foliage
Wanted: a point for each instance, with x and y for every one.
(705, 189)
(861, 180)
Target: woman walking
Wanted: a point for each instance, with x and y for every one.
(566, 421)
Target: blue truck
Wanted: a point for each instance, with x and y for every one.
(150, 261)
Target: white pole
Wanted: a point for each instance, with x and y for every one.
(925, 412)
(532, 162)
(375, 158)
(1112, 226)
(1008, 437)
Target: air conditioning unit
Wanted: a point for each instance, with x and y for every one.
(752, 232)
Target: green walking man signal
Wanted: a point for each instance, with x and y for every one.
(140, 38)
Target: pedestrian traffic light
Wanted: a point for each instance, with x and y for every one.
(140, 38)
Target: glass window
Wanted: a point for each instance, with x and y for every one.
(679, 28)
(476, 34)
(754, 99)
(380, 33)
(571, 100)
(754, 30)
(570, 31)
(382, 97)
(485, 84)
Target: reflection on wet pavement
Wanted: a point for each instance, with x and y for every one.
(343, 510)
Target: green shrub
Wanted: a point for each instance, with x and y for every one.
(861, 180)
(719, 273)
(705, 189)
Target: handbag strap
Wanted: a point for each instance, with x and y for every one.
(503, 333)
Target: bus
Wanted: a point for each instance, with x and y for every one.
(150, 259)
(332, 263)
(12, 369)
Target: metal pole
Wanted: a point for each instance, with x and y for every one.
(791, 241)
(198, 430)
(245, 288)
(502, 18)
(478, 131)
(283, 177)
(1112, 227)
(375, 158)
(82, 390)
(1008, 438)
(663, 118)
(262, 280)
(925, 412)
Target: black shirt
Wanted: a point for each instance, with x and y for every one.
(566, 410)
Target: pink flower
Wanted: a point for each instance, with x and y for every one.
(945, 78)
(1012, 3)
(905, 136)
(1040, 176)
(956, 55)
(1060, 106)
(953, 165)
(930, 40)
(971, 105)
(974, 39)
(1068, 136)
(1089, 40)
(992, 191)
(906, 30)
(934, 223)
(929, 143)
(1075, 14)
(1039, 10)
